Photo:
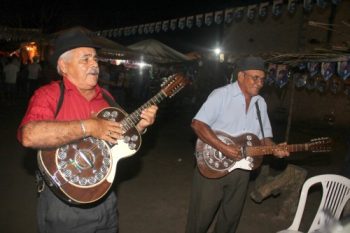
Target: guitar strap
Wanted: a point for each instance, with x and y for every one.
(259, 118)
(109, 99)
(60, 100)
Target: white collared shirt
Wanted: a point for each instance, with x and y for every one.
(225, 110)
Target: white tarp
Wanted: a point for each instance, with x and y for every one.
(158, 52)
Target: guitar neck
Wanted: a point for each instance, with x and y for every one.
(132, 119)
(266, 150)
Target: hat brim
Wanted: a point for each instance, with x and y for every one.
(57, 53)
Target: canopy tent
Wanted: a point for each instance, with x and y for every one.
(155, 51)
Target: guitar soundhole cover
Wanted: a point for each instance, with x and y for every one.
(86, 164)
(215, 159)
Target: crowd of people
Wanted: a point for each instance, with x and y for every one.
(19, 80)
(131, 86)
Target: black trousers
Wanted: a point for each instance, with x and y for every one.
(224, 196)
(56, 216)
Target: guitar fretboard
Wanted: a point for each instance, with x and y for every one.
(132, 119)
(265, 150)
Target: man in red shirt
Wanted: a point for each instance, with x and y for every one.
(43, 128)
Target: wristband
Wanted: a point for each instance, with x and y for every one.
(82, 126)
(144, 131)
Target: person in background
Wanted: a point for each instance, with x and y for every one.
(11, 71)
(76, 61)
(34, 71)
(230, 109)
(22, 83)
(104, 78)
(119, 89)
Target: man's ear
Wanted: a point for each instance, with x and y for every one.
(62, 65)
(240, 75)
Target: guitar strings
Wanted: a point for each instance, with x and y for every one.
(135, 116)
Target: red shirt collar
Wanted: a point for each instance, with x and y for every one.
(69, 86)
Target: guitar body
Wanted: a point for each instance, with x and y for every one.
(213, 164)
(83, 172)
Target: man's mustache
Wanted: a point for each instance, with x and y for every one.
(94, 71)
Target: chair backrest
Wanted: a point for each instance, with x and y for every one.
(335, 194)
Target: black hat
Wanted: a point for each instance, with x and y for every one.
(70, 39)
(250, 63)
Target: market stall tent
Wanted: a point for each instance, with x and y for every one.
(156, 51)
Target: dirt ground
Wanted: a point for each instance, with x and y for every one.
(154, 185)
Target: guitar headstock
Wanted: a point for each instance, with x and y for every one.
(323, 144)
(174, 84)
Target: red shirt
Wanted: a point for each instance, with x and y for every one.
(42, 105)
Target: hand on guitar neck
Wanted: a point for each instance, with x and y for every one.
(280, 150)
(111, 131)
(239, 152)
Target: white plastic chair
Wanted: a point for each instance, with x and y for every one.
(336, 192)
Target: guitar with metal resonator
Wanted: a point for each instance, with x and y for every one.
(82, 172)
(213, 164)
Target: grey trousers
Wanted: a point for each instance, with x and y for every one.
(224, 196)
(55, 216)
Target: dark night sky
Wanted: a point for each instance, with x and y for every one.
(54, 15)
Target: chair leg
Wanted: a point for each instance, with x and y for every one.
(346, 211)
